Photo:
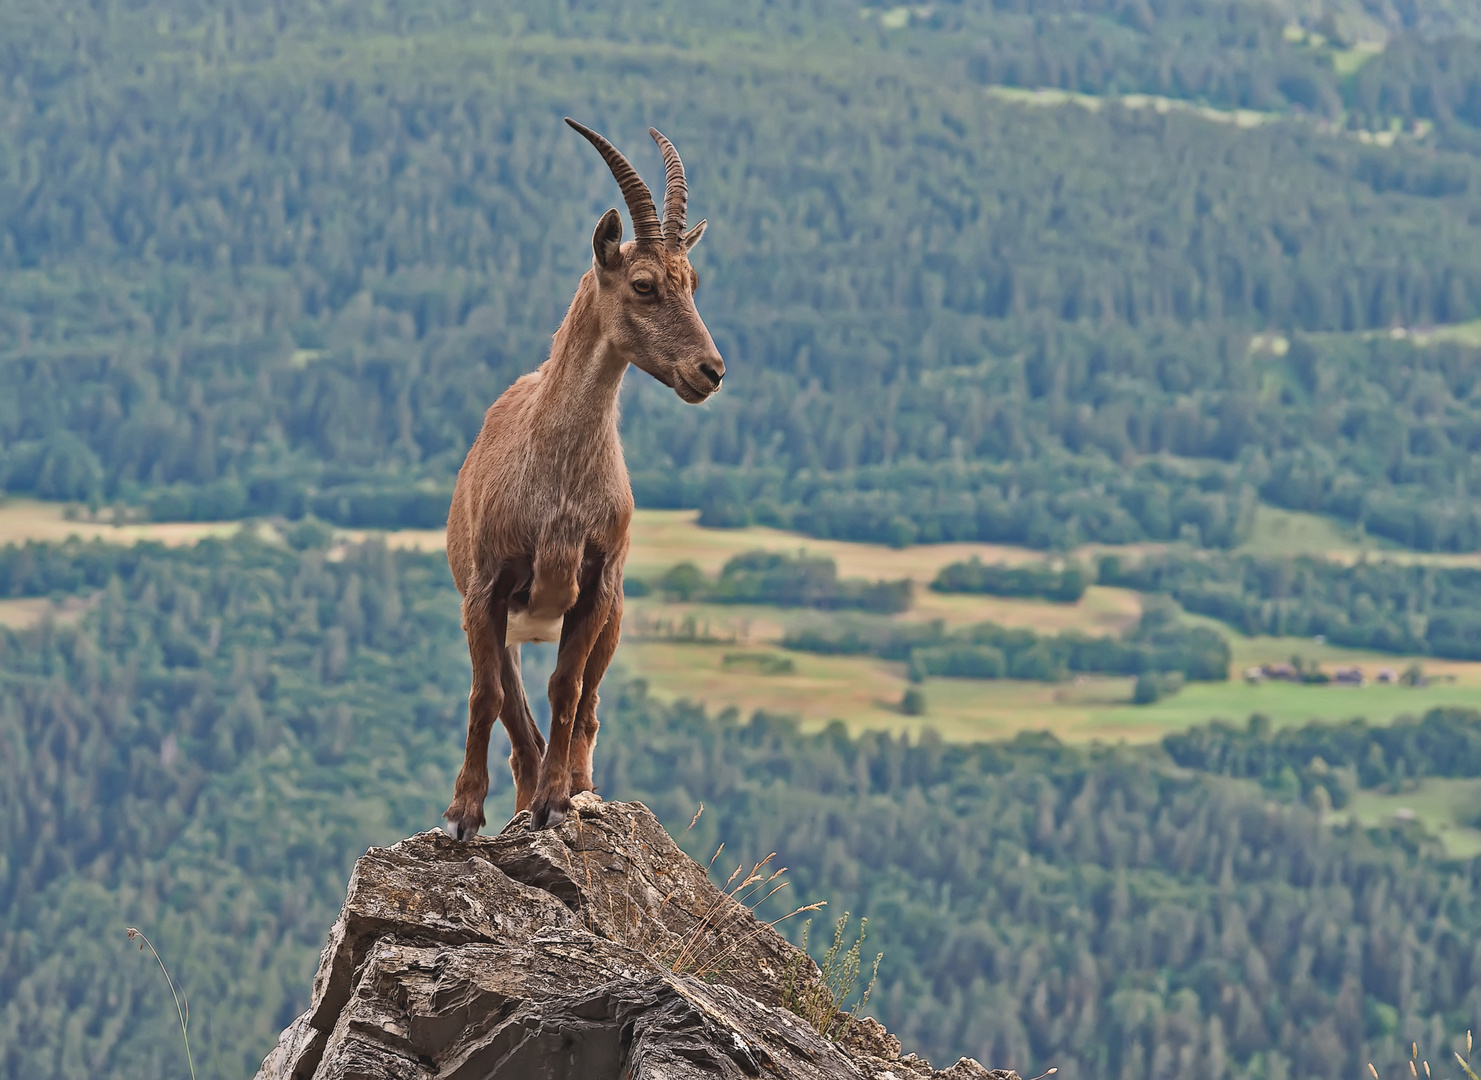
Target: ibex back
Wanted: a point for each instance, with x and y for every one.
(538, 530)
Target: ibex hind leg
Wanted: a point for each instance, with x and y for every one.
(584, 737)
(485, 611)
(526, 744)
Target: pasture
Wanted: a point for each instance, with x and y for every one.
(1449, 808)
(19, 614)
(32, 519)
(1291, 532)
(866, 692)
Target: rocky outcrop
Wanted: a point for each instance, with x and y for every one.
(597, 949)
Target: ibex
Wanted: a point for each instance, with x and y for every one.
(538, 529)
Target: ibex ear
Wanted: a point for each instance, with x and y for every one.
(692, 236)
(606, 242)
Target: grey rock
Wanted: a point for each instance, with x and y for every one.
(596, 949)
(971, 1069)
(298, 1052)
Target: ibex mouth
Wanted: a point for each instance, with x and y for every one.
(688, 391)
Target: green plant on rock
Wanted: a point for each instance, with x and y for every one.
(182, 1007)
(821, 1002)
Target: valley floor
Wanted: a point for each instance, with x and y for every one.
(714, 653)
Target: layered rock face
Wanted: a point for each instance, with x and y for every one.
(591, 951)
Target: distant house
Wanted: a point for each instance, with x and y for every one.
(1308, 674)
(1312, 674)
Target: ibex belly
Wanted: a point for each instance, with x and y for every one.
(522, 628)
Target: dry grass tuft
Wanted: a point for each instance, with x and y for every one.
(1415, 1064)
(730, 921)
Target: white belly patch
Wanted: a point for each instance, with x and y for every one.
(522, 628)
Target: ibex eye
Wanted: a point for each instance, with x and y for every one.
(643, 287)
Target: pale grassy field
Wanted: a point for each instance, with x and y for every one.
(28, 611)
(1244, 118)
(864, 692)
(1448, 807)
(1099, 611)
(661, 538)
(1466, 333)
(1290, 532)
(30, 519)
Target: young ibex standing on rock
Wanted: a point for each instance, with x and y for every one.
(538, 529)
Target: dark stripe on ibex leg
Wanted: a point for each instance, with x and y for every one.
(526, 744)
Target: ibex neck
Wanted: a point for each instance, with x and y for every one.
(580, 383)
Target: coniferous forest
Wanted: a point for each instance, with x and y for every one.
(1035, 273)
(267, 258)
(227, 727)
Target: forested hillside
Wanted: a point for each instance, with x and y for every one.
(206, 752)
(267, 258)
(1038, 272)
(204, 758)
(1092, 911)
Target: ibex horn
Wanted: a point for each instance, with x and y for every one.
(646, 226)
(675, 192)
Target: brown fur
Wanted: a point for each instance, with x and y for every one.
(539, 518)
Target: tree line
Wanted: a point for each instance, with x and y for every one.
(1378, 604)
(1064, 584)
(1338, 758)
(1159, 643)
(778, 579)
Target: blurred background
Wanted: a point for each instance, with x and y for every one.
(1079, 576)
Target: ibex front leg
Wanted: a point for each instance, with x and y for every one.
(583, 628)
(485, 619)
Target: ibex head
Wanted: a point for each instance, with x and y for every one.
(645, 287)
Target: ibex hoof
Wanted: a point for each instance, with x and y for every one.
(548, 813)
(462, 825)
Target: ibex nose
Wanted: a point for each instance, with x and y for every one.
(713, 371)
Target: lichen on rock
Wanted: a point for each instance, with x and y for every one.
(566, 953)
